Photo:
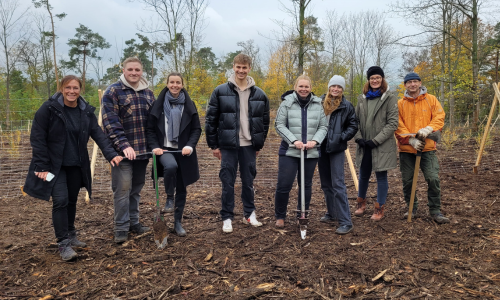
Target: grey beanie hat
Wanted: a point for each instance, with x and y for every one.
(337, 80)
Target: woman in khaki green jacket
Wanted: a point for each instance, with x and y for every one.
(377, 112)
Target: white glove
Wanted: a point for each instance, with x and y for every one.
(417, 144)
(423, 133)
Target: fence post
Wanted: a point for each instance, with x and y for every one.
(487, 127)
(94, 150)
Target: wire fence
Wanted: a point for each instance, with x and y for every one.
(457, 154)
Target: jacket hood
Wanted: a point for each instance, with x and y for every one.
(59, 98)
(143, 83)
(250, 82)
(286, 95)
(423, 90)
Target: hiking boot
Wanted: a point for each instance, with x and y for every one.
(121, 236)
(327, 219)
(74, 240)
(413, 214)
(360, 207)
(344, 229)
(252, 220)
(139, 229)
(227, 227)
(439, 218)
(169, 205)
(67, 253)
(280, 223)
(378, 213)
(178, 229)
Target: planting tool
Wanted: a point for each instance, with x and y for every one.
(351, 167)
(436, 137)
(159, 226)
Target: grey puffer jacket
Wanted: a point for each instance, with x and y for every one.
(380, 129)
(296, 123)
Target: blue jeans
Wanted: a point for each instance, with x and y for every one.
(289, 168)
(365, 171)
(64, 196)
(331, 174)
(231, 158)
(127, 180)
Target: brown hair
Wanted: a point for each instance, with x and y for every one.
(132, 59)
(331, 103)
(242, 59)
(383, 87)
(302, 77)
(67, 79)
(175, 74)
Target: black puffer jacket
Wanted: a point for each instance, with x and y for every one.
(48, 137)
(222, 124)
(342, 127)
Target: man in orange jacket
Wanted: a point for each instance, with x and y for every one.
(420, 114)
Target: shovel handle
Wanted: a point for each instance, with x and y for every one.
(414, 184)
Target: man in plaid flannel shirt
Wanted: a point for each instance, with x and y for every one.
(126, 106)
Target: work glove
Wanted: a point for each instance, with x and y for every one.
(361, 142)
(370, 144)
(423, 133)
(417, 144)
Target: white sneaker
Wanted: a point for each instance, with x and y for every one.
(227, 227)
(252, 220)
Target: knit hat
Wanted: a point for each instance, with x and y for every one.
(375, 70)
(337, 80)
(412, 76)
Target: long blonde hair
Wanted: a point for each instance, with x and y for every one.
(331, 103)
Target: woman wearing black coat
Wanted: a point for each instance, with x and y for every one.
(342, 126)
(60, 164)
(174, 125)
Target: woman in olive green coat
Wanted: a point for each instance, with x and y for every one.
(377, 112)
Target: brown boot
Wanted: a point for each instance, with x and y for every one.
(360, 208)
(280, 223)
(378, 214)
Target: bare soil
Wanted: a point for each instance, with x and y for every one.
(421, 260)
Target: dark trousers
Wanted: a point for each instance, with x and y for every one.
(365, 171)
(231, 158)
(430, 167)
(64, 196)
(127, 180)
(288, 170)
(331, 174)
(172, 178)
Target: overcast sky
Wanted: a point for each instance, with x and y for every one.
(227, 22)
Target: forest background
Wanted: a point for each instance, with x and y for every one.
(454, 45)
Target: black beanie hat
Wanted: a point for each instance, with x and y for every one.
(375, 70)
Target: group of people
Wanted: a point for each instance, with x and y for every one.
(136, 126)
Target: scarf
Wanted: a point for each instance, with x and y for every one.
(373, 94)
(303, 101)
(173, 114)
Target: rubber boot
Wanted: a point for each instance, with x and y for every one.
(178, 228)
(74, 240)
(169, 205)
(378, 213)
(360, 208)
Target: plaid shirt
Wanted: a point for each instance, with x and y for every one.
(125, 114)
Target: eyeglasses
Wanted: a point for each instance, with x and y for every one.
(378, 78)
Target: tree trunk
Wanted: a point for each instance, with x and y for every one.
(83, 71)
(53, 45)
(302, 10)
(475, 63)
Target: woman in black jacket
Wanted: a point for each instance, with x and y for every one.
(60, 164)
(174, 125)
(342, 126)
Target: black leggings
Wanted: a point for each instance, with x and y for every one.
(64, 197)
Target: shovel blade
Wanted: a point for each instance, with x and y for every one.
(160, 234)
(303, 231)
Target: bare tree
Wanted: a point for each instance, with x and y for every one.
(13, 30)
